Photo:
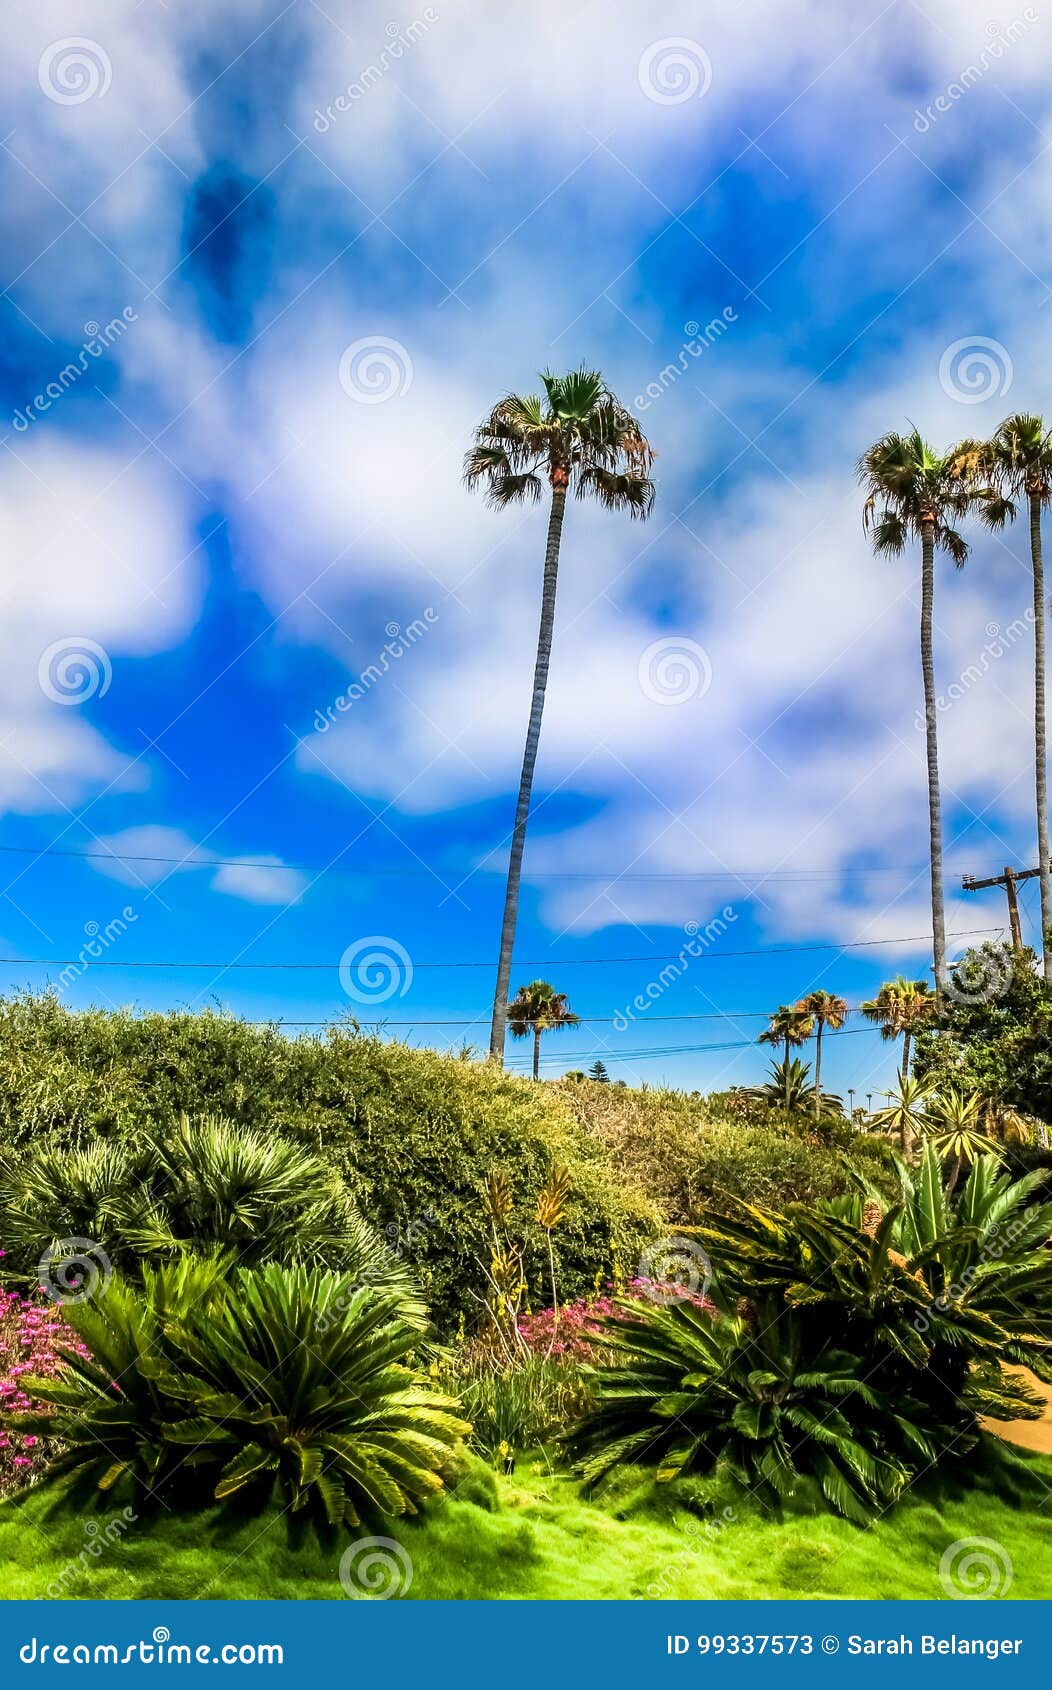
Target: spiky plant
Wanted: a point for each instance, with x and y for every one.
(906, 1111)
(575, 437)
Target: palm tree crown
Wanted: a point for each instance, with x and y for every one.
(538, 1008)
(900, 1009)
(825, 1010)
(789, 1026)
(577, 435)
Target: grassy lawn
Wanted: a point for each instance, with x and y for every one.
(531, 1535)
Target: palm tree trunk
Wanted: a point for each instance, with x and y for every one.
(818, 1069)
(1040, 751)
(906, 1053)
(787, 1050)
(536, 1053)
(522, 808)
(938, 911)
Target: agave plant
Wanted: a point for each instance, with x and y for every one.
(753, 1398)
(288, 1380)
(958, 1134)
(790, 1088)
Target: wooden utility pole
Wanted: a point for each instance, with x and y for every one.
(1008, 880)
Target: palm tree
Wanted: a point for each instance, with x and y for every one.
(914, 493)
(577, 437)
(901, 1008)
(825, 1010)
(954, 1121)
(539, 1008)
(907, 1111)
(789, 1026)
(1017, 465)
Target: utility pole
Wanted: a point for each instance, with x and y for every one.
(1008, 879)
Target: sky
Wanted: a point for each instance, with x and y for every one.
(266, 662)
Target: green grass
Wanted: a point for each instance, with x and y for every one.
(532, 1535)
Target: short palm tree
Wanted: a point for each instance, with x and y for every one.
(576, 436)
(914, 493)
(825, 1010)
(906, 1112)
(957, 1132)
(538, 1008)
(900, 1009)
(789, 1026)
(1015, 467)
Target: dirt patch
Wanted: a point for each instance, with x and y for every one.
(1028, 1434)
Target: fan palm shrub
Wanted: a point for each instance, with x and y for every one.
(207, 1186)
(286, 1381)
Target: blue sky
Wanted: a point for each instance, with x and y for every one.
(291, 255)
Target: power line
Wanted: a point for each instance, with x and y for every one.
(545, 962)
(679, 1050)
(190, 859)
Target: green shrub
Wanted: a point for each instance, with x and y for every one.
(208, 1186)
(515, 1408)
(287, 1382)
(414, 1134)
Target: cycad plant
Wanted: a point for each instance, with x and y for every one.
(575, 437)
(915, 493)
(291, 1382)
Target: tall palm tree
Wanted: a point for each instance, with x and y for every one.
(577, 437)
(538, 1008)
(914, 493)
(1017, 465)
(900, 1009)
(907, 1111)
(825, 1010)
(789, 1026)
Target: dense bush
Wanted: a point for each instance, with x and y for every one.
(414, 1134)
(854, 1347)
(208, 1187)
(292, 1383)
(995, 1033)
(688, 1151)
